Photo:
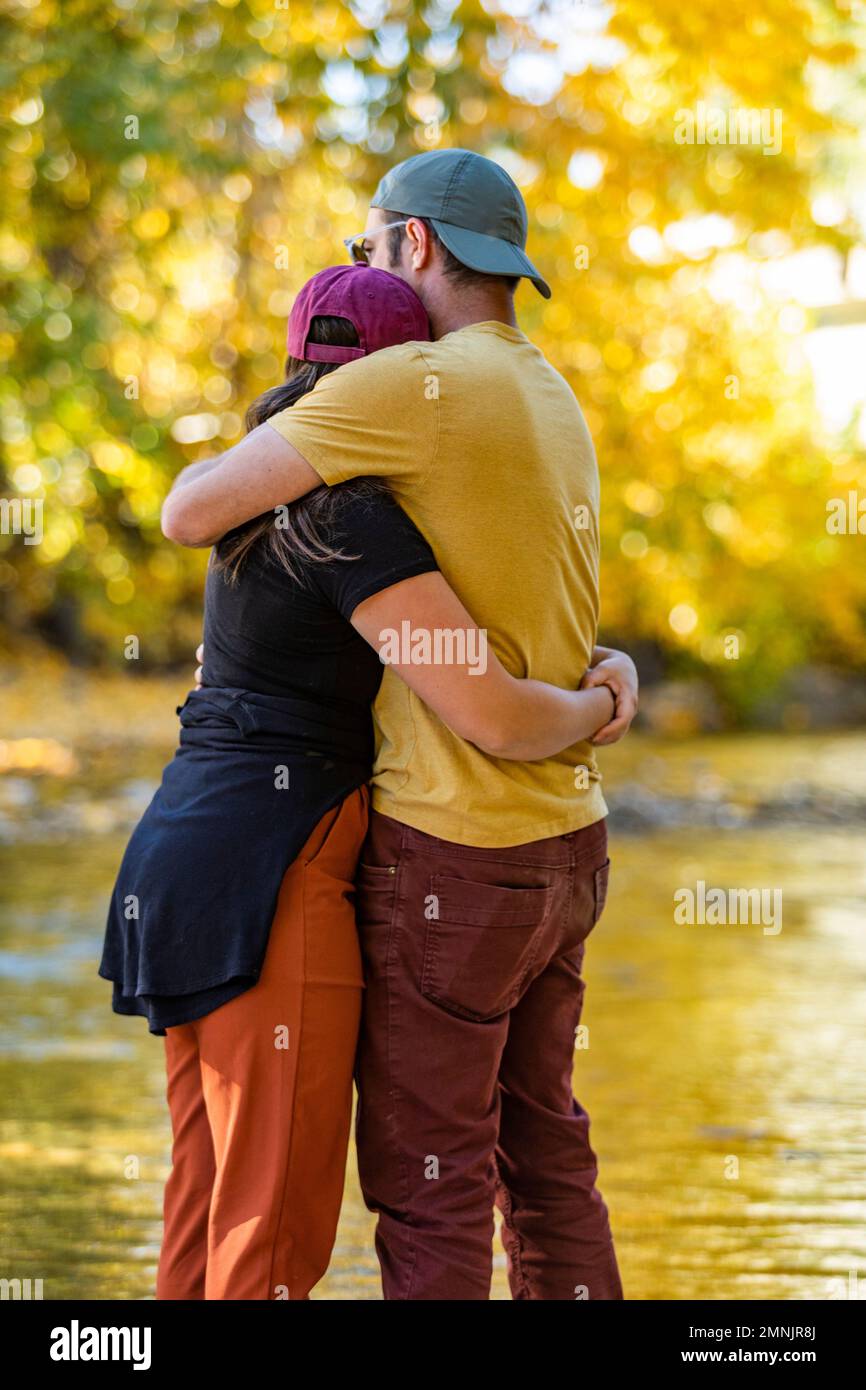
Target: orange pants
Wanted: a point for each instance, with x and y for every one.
(260, 1095)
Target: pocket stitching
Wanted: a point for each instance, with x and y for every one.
(543, 894)
(600, 893)
(387, 882)
(431, 956)
(452, 1006)
(386, 870)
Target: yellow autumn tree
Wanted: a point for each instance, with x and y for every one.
(171, 175)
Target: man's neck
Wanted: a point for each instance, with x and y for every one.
(459, 308)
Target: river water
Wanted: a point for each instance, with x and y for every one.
(725, 1065)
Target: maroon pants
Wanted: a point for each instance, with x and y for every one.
(472, 962)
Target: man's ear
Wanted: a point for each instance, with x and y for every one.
(420, 244)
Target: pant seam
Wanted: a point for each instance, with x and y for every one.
(393, 937)
(292, 1112)
(521, 1282)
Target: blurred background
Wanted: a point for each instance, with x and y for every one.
(695, 182)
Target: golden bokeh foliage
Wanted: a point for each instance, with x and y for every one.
(172, 174)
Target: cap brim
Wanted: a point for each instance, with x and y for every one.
(489, 254)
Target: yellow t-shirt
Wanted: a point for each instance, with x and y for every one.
(485, 447)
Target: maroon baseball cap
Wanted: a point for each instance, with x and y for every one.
(384, 310)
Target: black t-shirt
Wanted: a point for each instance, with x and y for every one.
(269, 633)
(288, 685)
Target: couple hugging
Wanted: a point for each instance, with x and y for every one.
(420, 469)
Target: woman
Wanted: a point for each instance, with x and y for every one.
(231, 927)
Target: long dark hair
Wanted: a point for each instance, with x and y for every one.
(299, 532)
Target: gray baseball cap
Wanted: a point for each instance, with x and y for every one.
(475, 206)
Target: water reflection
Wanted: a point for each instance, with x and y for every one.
(724, 1072)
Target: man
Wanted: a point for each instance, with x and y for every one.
(481, 879)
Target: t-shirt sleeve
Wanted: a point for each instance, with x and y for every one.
(375, 417)
(385, 547)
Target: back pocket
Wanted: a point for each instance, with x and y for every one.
(480, 943)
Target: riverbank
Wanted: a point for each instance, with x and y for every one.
(80, 755)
